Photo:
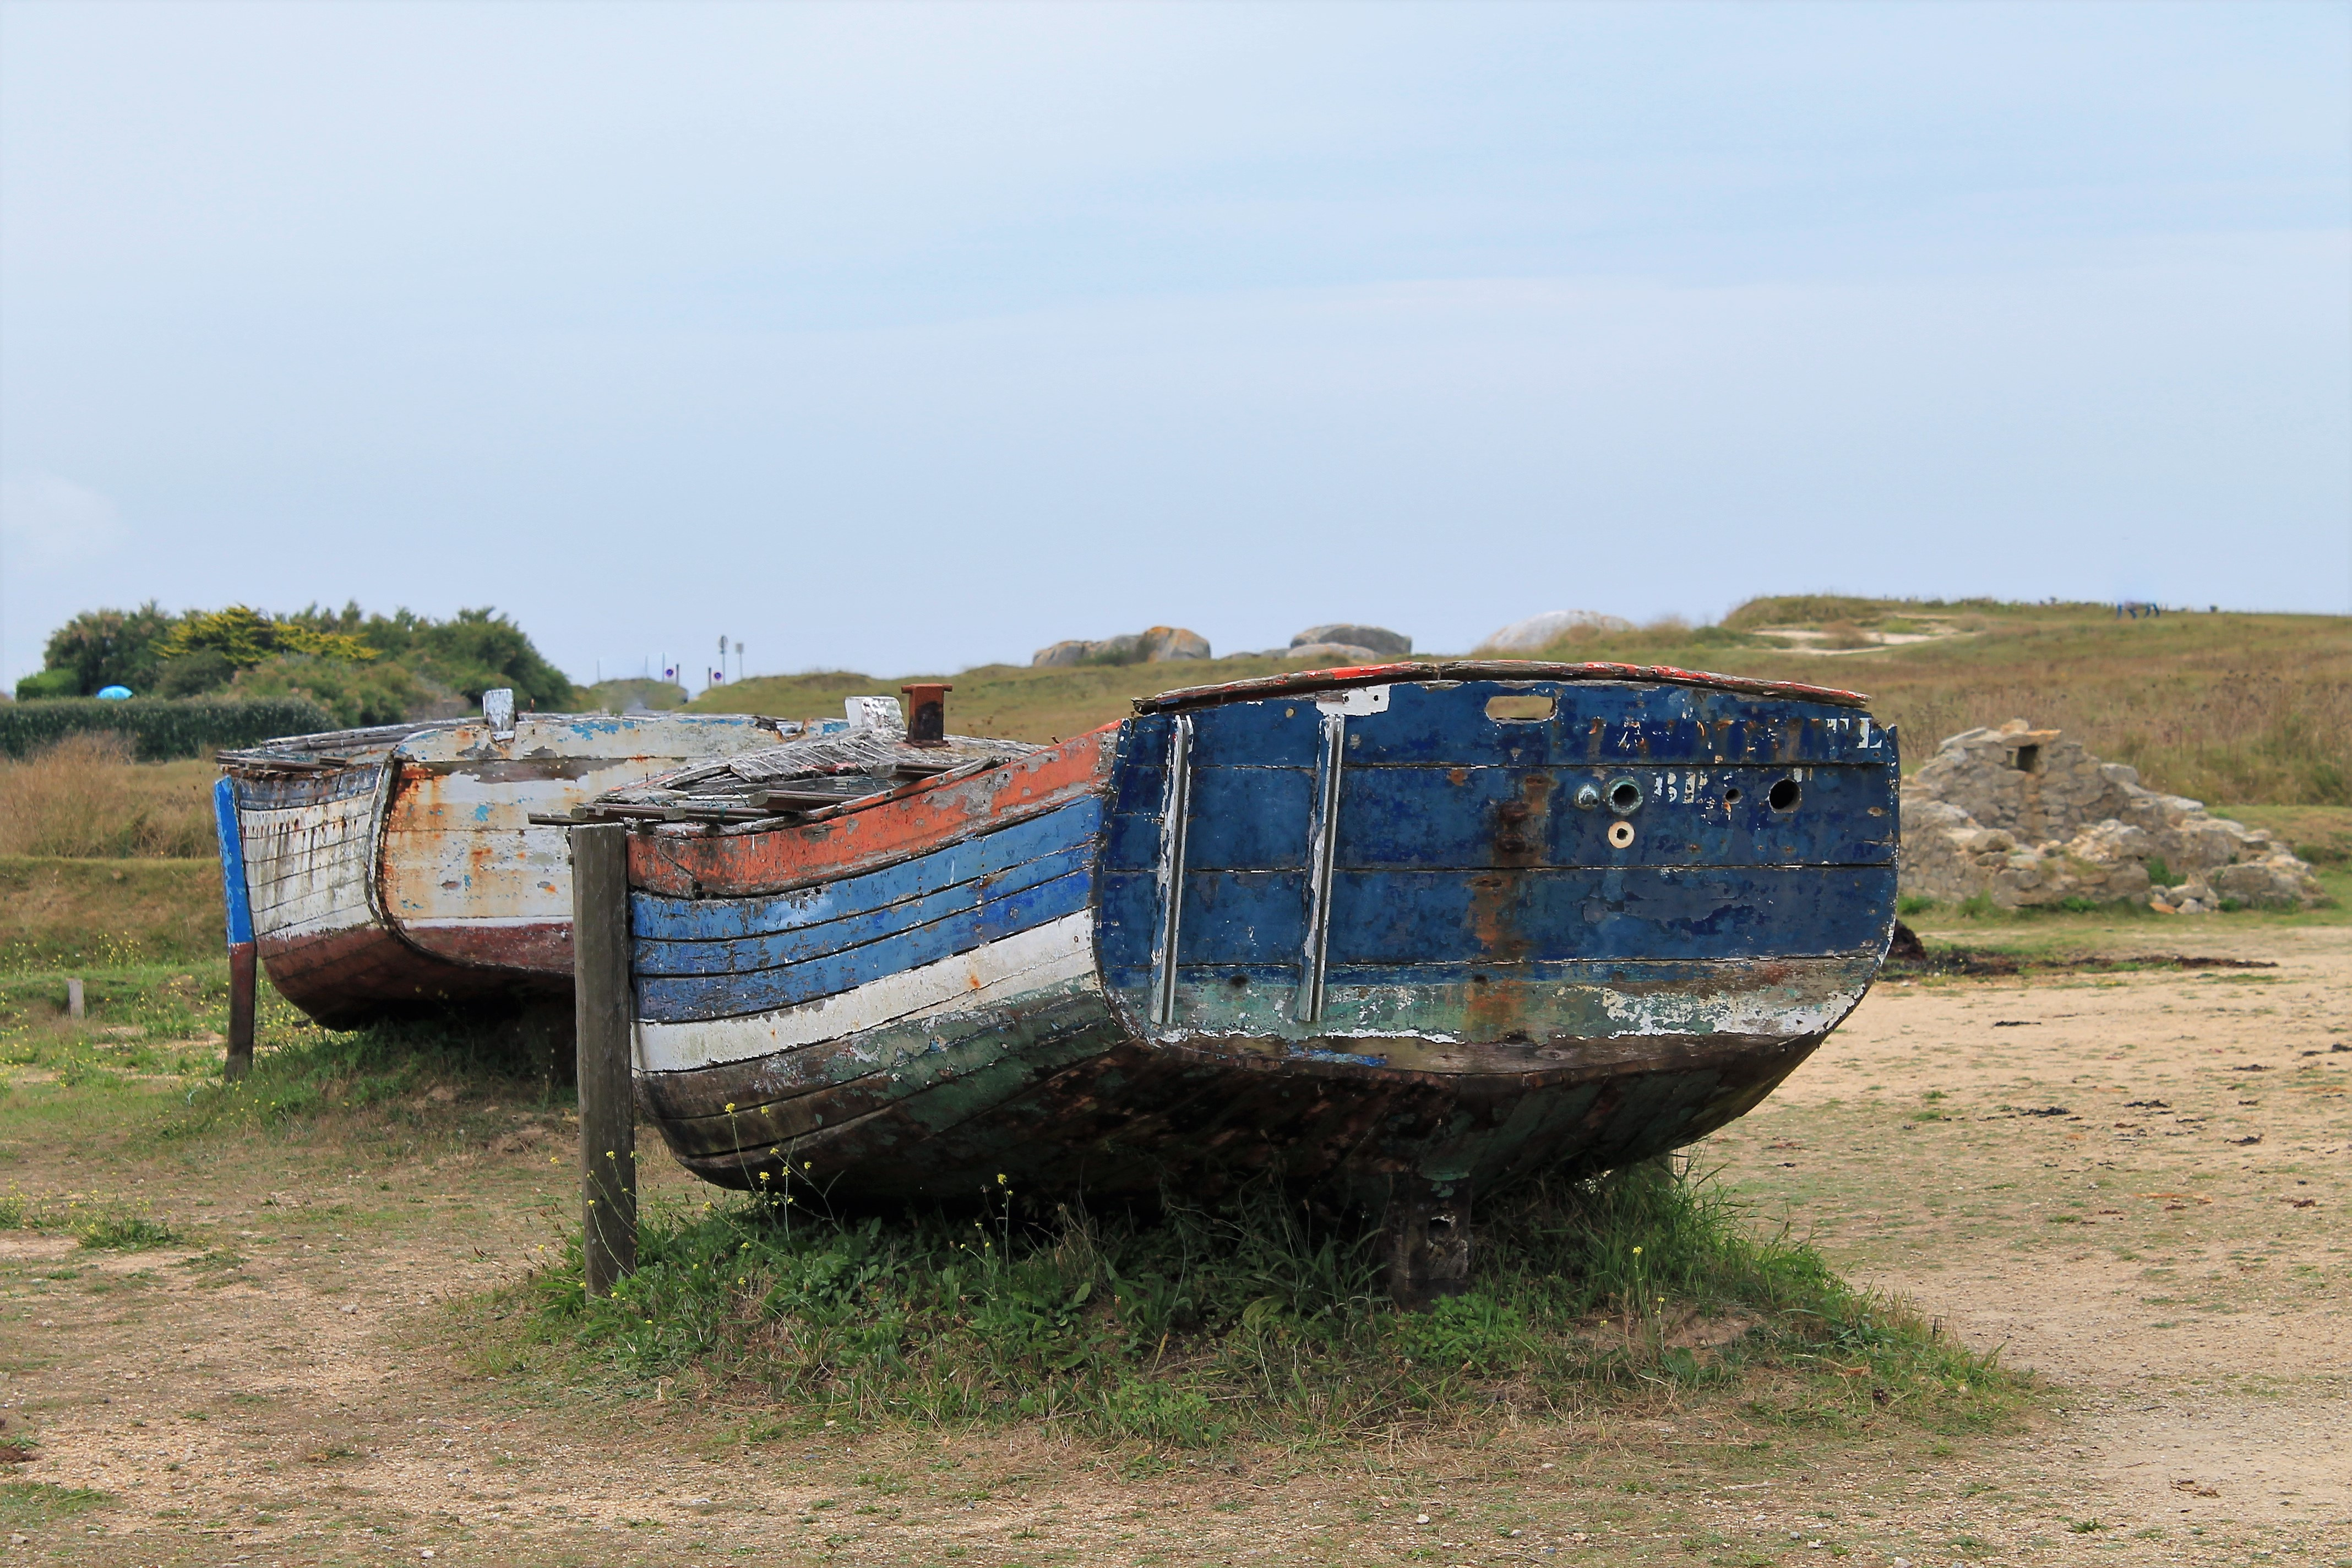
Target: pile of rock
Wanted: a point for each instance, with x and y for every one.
(1344, 642)
(1156, 646)
(2026, 816)
(1539, 632)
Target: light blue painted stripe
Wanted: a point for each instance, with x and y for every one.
(235, 896)
(655, 918)
(743, 955)
(678, 999)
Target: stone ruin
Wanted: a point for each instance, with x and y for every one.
(2026, 817)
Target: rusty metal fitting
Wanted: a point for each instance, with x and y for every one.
(926, 713)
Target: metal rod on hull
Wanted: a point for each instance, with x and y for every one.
(236, 901)
(1322, 840)
(1175, 822)
(601, 1014)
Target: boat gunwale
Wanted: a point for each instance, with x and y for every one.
(380, 742)
(1264, 687)
(1302, 681)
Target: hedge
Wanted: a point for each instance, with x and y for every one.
(160, 728)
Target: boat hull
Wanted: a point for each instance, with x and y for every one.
(410, 877)
(1382, 941)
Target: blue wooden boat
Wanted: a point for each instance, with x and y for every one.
(1398, 932)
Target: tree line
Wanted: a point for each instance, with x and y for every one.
(363, 668)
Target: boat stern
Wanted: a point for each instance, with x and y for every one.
(1569, 919)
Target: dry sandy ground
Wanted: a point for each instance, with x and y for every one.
(2169, 1244)
(2172, 1247)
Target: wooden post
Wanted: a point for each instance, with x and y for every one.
(601, 1017)
(236, 902)
(74, 1009)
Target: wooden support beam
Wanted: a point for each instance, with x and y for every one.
(602, 1015)
(242, 984)
(1426, 1241)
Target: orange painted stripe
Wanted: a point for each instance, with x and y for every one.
(684, 862)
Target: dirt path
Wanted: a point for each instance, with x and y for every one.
(2138, 1183)
(299, 1388)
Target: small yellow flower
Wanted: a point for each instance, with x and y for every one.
(1637, 1252)
(731, 1108)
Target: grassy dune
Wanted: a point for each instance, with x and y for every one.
(2232, 709)
(57, 909)
(85, 797)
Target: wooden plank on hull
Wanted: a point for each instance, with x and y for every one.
(1013, 966)
(972, 925)
(877, 836)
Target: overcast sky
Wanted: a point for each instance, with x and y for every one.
(899, 337)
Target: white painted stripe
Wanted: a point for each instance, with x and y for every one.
(1044, 955)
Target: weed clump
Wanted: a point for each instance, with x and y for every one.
(1262, 1317)
(125, 1233)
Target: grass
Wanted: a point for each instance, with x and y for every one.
(388, 1080)
(126, 1232)
(2222, 707)
(2321, 834)
(85, 798)
(1258, 1321)
(97, 1225)
(38, 1503)
(59, 911)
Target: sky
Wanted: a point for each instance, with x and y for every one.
(901, 337)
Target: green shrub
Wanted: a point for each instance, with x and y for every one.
(355, 693)
(98, 648)
(338, 658)
(47, 685)
(159, 728)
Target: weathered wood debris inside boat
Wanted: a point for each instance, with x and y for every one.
(1395, 933)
